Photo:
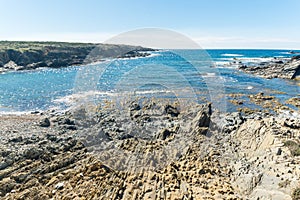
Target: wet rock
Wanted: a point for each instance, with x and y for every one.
(276, 69)
(294, 101)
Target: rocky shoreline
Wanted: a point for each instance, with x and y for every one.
(149, 149)
(276, 68)
(16, 56)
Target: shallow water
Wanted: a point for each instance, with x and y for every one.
(189, 74)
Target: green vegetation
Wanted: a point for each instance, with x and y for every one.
(23, 46)
(294, 148)
(296, 194)
(284, 183)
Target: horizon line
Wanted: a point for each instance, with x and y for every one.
(206, 48)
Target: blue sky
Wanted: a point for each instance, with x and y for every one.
(211, 23)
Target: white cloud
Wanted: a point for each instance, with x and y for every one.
(244, 43)
(64, 37)
(204, 41)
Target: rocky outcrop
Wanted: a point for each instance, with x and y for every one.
(148, 149)
(276, 69)
(32, 55)
(266, 168)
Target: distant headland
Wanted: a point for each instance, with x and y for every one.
(20, 55)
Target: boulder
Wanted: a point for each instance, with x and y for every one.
(164, 134)
(171, 110)
(45, 122)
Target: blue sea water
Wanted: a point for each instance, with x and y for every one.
(170, 74)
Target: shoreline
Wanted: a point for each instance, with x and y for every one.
(276, 68)
(18, 56)
(151, 147)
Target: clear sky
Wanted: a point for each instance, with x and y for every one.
(211, 23)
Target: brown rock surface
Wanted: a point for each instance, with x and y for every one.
(218, 156)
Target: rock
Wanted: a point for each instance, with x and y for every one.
(293, 123)
(279, 151)
(45, 122)
(276, 69)
(134, 106)
(171, 110)
(32, 55)
(5, 164)
(202, 119)
(6, 185)
(230, 122)
(164, 134)
(11, 65)
(248, 182)
(59, 186)
(296, 57)
(33, 153)
(67, 121)
(16, 139)
(294, 101)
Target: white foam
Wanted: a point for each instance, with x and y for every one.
(256, 59)
(152, 91)
(208, 74)
(74, 98)
(221, 63)
(249, 87)
(18, 113)
(286, 53)
(231, 55)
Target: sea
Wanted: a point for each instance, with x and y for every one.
(192, 75)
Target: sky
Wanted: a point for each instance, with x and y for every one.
(264, 24)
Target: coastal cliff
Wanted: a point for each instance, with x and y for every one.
(32, 55)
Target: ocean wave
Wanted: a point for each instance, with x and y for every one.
(286, 53)
(90, 96)
(2, 113)
(152, 92)
(208, 74)
(77, 97)
(231, 55)
(217, 63)
(255, 59)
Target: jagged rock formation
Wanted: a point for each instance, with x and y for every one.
(276, 69)
(148, 150)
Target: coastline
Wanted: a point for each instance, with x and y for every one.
(276, 68)
(211, 154)
(19, 56)
(153, 149)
